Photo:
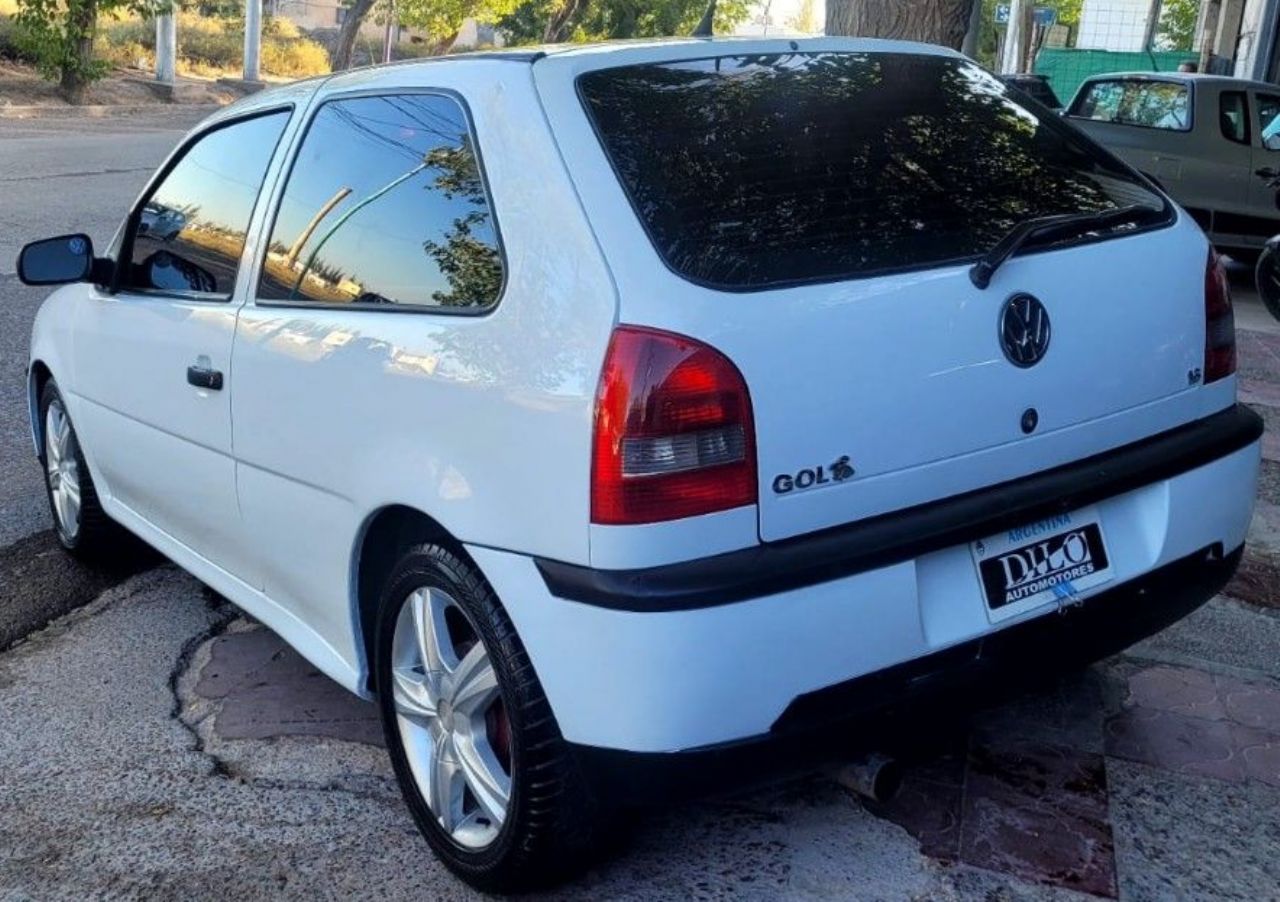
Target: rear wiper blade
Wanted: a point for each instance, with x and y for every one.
(982, 271)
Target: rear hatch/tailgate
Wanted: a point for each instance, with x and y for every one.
(814, 216)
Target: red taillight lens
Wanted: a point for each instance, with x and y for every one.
(1220, 323)
(674, 435)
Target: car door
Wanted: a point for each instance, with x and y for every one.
(1265, 174)
(365, 323)
(153, 349)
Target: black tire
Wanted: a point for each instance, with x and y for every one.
(554, 825)
(97, 537)
(1244, 256)
(1267, 277)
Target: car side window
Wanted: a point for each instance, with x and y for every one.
(386, 206)
(190, 232)
(1149, 104)
(1233, 116)
(1269, 120)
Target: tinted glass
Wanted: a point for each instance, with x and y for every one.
(760, 171)
(385, 205)
(191, 231)
(1150, 104)
(1233, 116)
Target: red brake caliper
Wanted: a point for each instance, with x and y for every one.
(498, 727)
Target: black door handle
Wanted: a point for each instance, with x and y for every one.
(1266, 172)
(203, 377)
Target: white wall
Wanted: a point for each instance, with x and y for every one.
(1113, 24)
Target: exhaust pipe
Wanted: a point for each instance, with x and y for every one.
(875, 776)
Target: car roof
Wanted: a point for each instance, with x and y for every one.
(1198, 78)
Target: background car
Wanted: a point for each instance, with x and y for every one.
(1202, 138)
(1036, 87)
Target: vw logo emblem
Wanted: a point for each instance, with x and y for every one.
(1024, 330)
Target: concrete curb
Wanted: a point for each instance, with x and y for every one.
(103, 111)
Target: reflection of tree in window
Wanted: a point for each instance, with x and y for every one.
(385, 205)
(759, 170)
(470, 263)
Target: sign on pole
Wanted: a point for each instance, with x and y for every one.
(1045, 16)
(1002, 14)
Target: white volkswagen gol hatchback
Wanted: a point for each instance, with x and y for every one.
(612, 412)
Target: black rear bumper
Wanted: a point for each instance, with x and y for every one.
(881, 541)
(874, 711)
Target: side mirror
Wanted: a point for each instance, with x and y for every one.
(56, 261)
(1268, 276)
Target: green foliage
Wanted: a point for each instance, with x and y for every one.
(1178, 24)
(58, 35)
(594, 20)
(471, 264)
(11, 48)
(442, 19)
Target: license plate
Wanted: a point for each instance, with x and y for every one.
(1054, 559)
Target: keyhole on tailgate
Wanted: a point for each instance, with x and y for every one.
(1030, 420)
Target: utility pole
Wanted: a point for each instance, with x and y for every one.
(1209, 35)
(252, 39)
(387, 39)
(1153, 23)
(1014, 56)
(167, 48)
(304, 236)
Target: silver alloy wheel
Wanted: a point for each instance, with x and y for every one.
(62, 467)
(446, 694)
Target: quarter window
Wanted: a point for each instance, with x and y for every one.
(1233, 116)
(190, 232)
(1150, 104)
(385, 205)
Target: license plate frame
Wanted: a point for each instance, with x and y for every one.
(1051, 560)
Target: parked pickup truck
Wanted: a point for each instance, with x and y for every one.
(1206, 139)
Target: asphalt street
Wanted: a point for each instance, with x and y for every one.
(155, 743)
(56, 176)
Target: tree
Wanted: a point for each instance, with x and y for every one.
(553, 21)
(805, 19)
(1178, 24)
(440, 19)
(60, 33)
(340, 56)
(934, 21)
(468, 257)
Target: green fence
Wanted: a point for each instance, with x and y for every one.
(1067, 67)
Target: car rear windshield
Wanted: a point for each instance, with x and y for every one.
(752, 172)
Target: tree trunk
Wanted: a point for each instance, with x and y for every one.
(82, 24)
(440, 46)
(557, 30)
(341, 57)
(932, 21)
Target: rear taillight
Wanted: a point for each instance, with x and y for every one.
(674, 435)
(1220, 323)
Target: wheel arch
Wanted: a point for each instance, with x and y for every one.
(38, 375)
(383, 536)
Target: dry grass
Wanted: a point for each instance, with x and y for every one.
(212, 47)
